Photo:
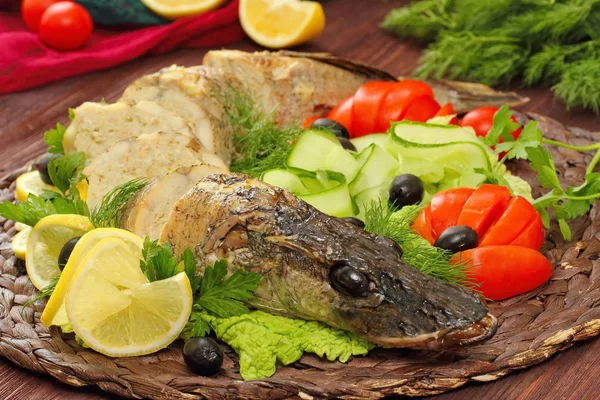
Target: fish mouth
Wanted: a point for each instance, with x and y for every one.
(451, 338)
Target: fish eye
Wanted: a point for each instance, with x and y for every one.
(348, 280)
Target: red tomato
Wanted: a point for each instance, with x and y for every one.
(32, 11)
(397, 101)
(421, 109)
(446, 206)
(533, 235)
(483, 207)
(482, 119)
(342, 114)
(518, 214)
(422, 225)
(505, 271)
(66, 26)
(308, 121)
(365, 109)
(448, 109)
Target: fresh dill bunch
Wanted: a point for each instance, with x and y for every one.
(381, 219)
(579, 85)
(422, 20)
(107, 213)
(260, 144)
(488, 59)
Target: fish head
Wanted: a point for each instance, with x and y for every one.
(357, 281)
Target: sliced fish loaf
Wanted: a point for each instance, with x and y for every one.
(189, 92)
(96, 126)
(150, 156)
(294, 87)
(147, 213)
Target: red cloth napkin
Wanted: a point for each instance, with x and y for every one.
(25, 61)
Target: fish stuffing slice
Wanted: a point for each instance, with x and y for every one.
(146, 214)
(295, 87)
(96, 126)
(149, 156)
(189, 93)
(317, 267)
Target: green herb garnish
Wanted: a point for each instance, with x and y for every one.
(53, 139)
(381, 219)
(45, 292)
(496, 41)
(107, 213)
(259, 143)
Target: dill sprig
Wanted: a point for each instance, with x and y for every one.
(381, 219)
(496, 41)
(107, 213)
(259, 143)
(45, 292)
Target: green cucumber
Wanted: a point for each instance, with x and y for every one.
(369, 196)
(320, 150)
(363, 142)
(378, 167)
(284, 179)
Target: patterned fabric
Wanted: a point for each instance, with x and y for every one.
(121, 12)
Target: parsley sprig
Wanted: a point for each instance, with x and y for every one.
(215, 293)
(566, 203)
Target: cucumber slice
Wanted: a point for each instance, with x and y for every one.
(378, 168)
(334, 201)
(365, 198)
(285, 179)
(320, 150)
(363, 142)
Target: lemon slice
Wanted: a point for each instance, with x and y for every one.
(19, 226)
(116, 311)
(19, 242)
(172, 9)
(55, 312)
(281, 23)
(30, 182)
(45, 242)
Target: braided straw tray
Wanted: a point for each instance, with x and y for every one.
(532, 327)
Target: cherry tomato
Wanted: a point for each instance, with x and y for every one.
(32, 11)
(342, 113)
(422, 225)
(397, 101)
(483, 207)
(308, 121)
(66, 26)
(446, 206)
(367, 102)
(482, 119)
(517, 216)
(505, 271)
(421, 109)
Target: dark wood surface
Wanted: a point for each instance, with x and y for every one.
(352, 31)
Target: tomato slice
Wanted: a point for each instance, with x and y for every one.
(308, 121)
(483, 207)
(505, 271)
(421, 109)
(422, 225)
(398, 99)
(517, 215)
(367, 101)
(448, 109)
(446, 207)
(532, 236)
(342, 114)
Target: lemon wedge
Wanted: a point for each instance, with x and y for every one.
(19, 243)
(55, 312)
(281, 23)
(116, 311)
(173, 9)
(30, 183)
(46, 240)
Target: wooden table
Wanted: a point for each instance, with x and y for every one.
(352, 32)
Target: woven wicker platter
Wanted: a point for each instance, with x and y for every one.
(532, 327)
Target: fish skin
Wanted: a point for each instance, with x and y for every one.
(267, 230)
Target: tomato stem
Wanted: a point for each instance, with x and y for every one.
(570, 146)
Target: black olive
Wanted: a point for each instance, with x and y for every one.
(348, 280)
(457, 238)
(203, 355)
(332, 126)
(66, 251)
(42, 166)
(347, 144)
(406, 190)
(355, 221)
